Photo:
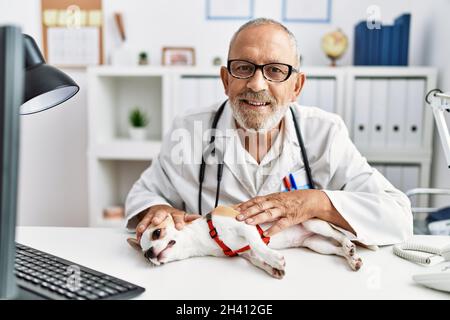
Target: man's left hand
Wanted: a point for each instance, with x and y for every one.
(287, 208)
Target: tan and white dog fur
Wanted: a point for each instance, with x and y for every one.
(164, 243)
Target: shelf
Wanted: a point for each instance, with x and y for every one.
(111, 223)
(124, 149)
(145, 71)
(391, 71)
(395, 156)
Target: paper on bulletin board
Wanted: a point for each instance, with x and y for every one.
(73, 46)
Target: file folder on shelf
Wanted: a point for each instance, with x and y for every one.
(326, 94)
(394, 175)
(309, 94)
(378, 112)
(361, 107)
(397, 110)
(188, 97)
(414, 115)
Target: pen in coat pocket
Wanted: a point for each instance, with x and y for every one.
(287, 184)
(293, 184)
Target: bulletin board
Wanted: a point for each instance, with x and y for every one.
(72, 32)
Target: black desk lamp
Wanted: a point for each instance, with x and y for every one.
(45, 86)
(27, 85)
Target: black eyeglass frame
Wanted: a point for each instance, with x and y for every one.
(291, 69)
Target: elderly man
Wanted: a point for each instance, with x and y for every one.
(265, 144)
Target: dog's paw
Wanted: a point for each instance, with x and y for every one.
(355, 263)
(274, 272)
(349, 248)
(275, 260)
(278, 273)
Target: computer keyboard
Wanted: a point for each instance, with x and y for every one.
(51, 277)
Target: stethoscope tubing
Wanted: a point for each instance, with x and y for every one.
(220, 165)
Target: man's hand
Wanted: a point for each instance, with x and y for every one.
(156, 214)
(287, 208)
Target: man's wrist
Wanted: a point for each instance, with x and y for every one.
(330, 214)
(324, 208)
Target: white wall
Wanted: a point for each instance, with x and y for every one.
(152, 26)
(53, 181)
(53, 143)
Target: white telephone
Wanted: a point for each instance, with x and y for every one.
(437, 277)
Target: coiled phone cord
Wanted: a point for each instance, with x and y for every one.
(401, 250)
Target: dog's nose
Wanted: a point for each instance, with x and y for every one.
(149, 254)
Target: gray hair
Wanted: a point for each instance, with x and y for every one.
(264, 21)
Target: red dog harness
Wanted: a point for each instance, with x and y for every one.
(226, 250)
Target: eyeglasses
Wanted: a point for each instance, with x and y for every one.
(275, 72)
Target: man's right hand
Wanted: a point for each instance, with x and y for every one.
(156, 214)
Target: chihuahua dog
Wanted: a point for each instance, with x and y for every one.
(164, 243)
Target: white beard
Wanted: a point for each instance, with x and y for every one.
(254, 122)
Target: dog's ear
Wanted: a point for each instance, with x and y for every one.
(134, 243)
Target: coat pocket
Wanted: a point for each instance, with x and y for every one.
(300, 180)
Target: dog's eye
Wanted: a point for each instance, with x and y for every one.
(156, 234)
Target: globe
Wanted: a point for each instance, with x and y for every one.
(334, 44)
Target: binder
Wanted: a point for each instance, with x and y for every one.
(381, 168)
(326, 94)
(360, 53)
(376, 47)
(396, 113)
(395, 47)
(415, 112)
(308, 95)
(188, 93)
(386, 45)
(219, 90)
(207, 92)
(370, 46)
(378, 113)
(403, 24)
(394, 174)
(361, 107)
(411, 180)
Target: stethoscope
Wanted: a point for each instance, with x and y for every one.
(220, 164)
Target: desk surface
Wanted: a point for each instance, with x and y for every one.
(309, 275)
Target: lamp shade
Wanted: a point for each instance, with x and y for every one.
(45, 86)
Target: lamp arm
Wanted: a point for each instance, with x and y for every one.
(440, 103)
(33, 55)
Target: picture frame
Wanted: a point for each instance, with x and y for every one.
(178, 56)
(306, 11)
(230, 9)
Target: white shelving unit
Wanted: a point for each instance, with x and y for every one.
(115, 162)
(390, 122)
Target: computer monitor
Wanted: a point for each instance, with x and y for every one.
(11, 95)
(27, 85)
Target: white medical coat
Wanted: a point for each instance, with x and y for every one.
(379, 213)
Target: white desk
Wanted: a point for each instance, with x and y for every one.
(309, 275)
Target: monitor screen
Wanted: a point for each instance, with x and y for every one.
(11, 96)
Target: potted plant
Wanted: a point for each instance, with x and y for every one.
(138, 124)
(143, 58)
